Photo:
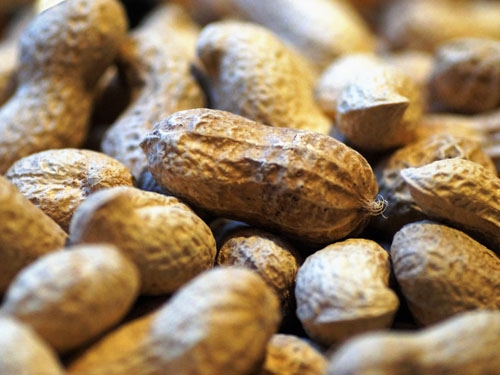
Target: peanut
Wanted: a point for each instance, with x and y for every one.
(266, 176)
(290, 355)
(425, 24)
(460, 192)
(401, 208)
(26, 233)
(166, 240)
(342, 290)
(376, 106)
(70, 297)
(322, 30)
(274, 259)
(443, 271)
(58, 181)
(62, 53)
(250, 72)
(157, 70)
(203, 329)
(22, 352)
(465, 344)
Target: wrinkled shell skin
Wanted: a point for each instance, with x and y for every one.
(291, 355)
(22, 352)
(274, 259)
(321, 30)
(70, 297)
(426, 24)
(464, 344)
(401, 208)
(156, 64)
(166, 240)
(466, 75)
(460, 192)
(342, 290)
(442, 271)
(58, 181)
(26, 233)
(376, 105)
(203, 329)
(63, 52)
(263, 175)
(250, 72)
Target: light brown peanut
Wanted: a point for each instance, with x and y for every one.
(342, 290)
(156, 63)
(203, 329)
(401, 208)
(26, 233)
(465, 344)
(59, 180)
(273, 258)
(465, 76)
(250, 72)
(321, 30)
(376, 106)
(460, 192)
(291, 355)
(22, 352)
(70, 297)
(167, 241)
(62, 53)
(266, 176)
(442, 271)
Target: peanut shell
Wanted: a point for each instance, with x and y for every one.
(267, 176)
(342, 290)
(26, 233)
(460, 192)
(69, 297)
(22, 352)
(219, 323)
(58, 181)
(465, 344)
(442, 271)
(166, 240)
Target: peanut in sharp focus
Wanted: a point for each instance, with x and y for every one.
(352, 146)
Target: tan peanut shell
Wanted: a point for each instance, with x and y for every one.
(464, 344)
(321, 30)
(376, 105)
(219, 323)
(252, 73)
(287, 354)
(156, 62)
(267, 176)
(22, 352)
(63, 52)
(26, 233)
(59, 180)
(166, 240)
(426, 24)
(443, 271)
(71, 296)
(401, 208)
(460, 192)
(465, 76)
(273, 258)
(342, 290)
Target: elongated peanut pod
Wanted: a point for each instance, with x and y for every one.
(304, 184)
(63, 52)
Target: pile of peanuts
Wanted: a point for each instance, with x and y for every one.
(249, 187)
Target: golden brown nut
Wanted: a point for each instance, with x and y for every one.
(219, 323)
(267, 176)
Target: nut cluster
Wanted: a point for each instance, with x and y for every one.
(255, 187)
